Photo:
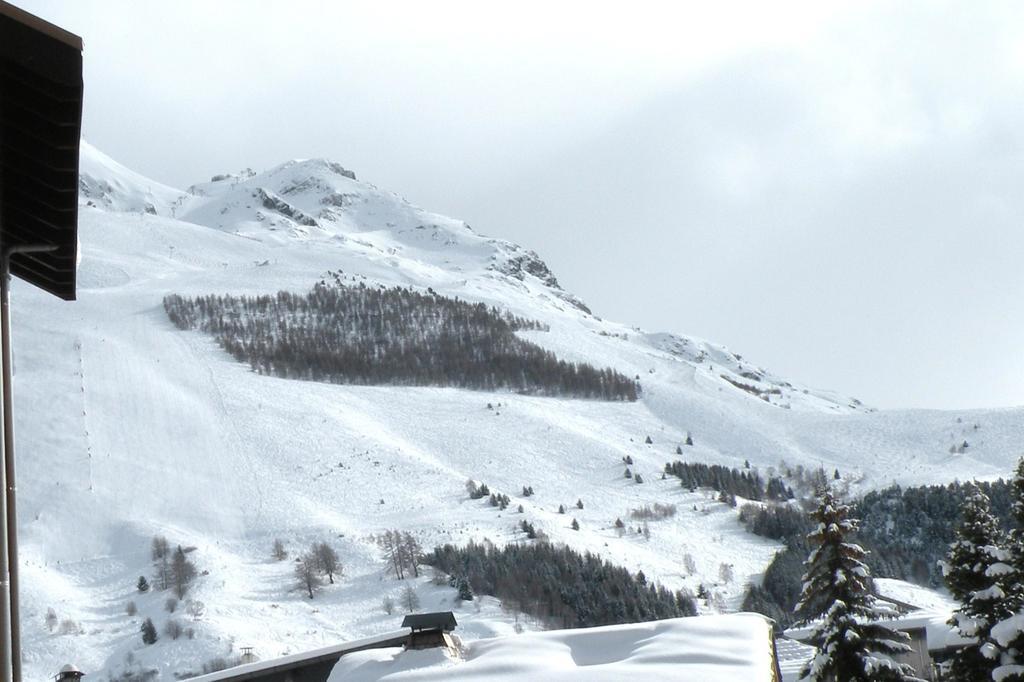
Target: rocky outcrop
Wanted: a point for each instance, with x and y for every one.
(527, 263)
(275, 203)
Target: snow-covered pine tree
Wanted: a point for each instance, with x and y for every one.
(966, 572)
(1008, 632)
(836, 594)
(465, 590)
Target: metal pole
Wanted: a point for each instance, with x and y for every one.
(10, 503)
(6, 644)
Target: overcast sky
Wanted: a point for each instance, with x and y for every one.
(832, 190)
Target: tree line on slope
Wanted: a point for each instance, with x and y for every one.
(732, 482)
(559, 585)
(391, 336)
(909, 529)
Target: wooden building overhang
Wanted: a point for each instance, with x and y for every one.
(443, 621)
(40, 133)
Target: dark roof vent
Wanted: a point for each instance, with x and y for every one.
(69, 672)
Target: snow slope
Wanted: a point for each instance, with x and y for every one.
(128, 427)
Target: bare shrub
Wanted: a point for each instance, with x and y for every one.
(195, 608)
(410, 600)
(173, 629)
(656, 513)
(70, 627)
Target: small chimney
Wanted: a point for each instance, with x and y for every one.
(248, 656)
(69, 673)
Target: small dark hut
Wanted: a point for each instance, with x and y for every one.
(429, 630)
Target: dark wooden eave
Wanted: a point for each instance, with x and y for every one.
(440, 620)
(40, 130)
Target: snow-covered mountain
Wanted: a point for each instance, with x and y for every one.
(129, 427)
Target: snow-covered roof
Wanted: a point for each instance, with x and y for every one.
(914, 595)
(792, 655)
(727, 648)
(934, 622)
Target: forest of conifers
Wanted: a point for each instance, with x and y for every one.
(906, 531)
(391, 336)
(559, 585)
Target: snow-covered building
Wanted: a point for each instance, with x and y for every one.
(932, 640)
(722, 648)
(725, 648)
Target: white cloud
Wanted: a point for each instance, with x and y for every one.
(832, 188)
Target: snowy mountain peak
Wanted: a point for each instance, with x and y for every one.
(318, 200)
(106, 184)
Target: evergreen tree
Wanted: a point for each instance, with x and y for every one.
(1008, 632)
(148, 632)
(465, 591)
(836, 592)
(142, 585)
(966, 574)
